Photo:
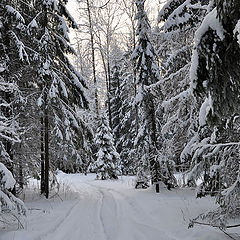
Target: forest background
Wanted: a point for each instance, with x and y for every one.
(136, 98)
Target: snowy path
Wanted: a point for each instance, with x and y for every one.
(114, 210)
(121, 219)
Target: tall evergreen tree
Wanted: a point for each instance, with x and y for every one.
(215, 75)
(127, 126)
(107, 158)
(62, 87)
(13, 57)
(147, 74)
(180, 20)
(13, 60)
(116, 102)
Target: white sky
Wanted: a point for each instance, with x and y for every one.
(153, 7)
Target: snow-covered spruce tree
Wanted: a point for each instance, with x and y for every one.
(173, 41)
(9, 131)
(8, 202)
(15, 57)
(115, 100)
(123, 112)
(118, 69)
(127, 115)
(184, 14)
(215, 72)
(62, 87)
(107, 158)
(147, 74)
(8, 135)
(12, 57)
(26, 161)
(11, 49)
(7, 14)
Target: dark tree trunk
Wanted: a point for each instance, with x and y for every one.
(154, 163)
(21, 178)
(153, 119)
(46, 140)
(45, 126)
(109, 110)
(42, 158)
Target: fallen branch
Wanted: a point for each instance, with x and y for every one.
(104, 5)
(227, 234)
(221, 228)
(56, 194)
(5, 222)
(37, 209)
(208, 224)
(19, 222)
(233, 226)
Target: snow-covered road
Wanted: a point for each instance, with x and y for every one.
(114, 210)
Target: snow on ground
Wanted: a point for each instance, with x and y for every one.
(113, 210)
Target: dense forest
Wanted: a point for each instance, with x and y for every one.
(128, 95)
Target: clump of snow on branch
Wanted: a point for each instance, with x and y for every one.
(175, 17)
(204, 111)
(7, 200)
(210, 22)
(237, 31)
(15, 13)
(182, 95)
(7, 180)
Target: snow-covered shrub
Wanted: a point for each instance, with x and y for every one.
(8, 202)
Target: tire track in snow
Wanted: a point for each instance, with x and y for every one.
(127, 207)
(112, 216)
(70, 213)
(101, 216)
(148, 219)
(99, 211)
(107, 215)
(60, 223)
